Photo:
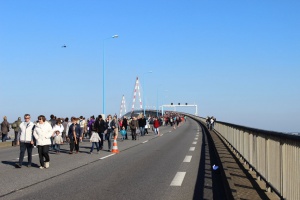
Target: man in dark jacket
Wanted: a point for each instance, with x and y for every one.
(142, 124)
(74, 135)
(100, 127)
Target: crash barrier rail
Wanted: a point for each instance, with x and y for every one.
(274, 156)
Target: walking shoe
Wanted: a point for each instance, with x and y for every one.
(71, 152)
(47, 165)
(76, 152)
(17, 165)
(41, 167)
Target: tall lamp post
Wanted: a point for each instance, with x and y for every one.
(144, 106)
(103, 94)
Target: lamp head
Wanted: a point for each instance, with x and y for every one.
(115, 36)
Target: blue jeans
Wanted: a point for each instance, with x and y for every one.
(108, 138)
(142, 129)
(97, 146)
(57, 147)
(23, 147)
(4, 137)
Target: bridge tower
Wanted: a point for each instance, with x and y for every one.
(123, 106)
(135, 92)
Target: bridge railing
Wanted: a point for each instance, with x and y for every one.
(274, 156)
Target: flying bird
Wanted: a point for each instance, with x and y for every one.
(64, 46)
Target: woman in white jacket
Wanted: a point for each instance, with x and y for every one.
(42, 133)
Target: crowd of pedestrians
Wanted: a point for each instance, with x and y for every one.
(50, 135)
(210, 122)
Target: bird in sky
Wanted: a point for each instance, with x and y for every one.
(64, 46)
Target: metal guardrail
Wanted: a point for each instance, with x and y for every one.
(274, 156)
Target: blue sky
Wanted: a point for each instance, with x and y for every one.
(237, 60)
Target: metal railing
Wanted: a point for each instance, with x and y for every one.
(274, 156)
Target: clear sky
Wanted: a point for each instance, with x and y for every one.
(237, 60)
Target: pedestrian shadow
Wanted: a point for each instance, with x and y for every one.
(11, 163)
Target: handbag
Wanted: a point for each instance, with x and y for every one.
(138, 131)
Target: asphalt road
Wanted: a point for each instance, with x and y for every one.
(163, 167)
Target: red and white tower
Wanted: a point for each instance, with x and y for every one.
(136, 91)
(123, 106)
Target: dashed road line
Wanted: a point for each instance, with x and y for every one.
(178, 179)
(194, 142)
(192, 148)
(145, 141)
(196, 138)
(187, 159)
(106, 156)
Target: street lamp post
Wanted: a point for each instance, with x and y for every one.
(103, 94)
(144, 92)
(157, 106)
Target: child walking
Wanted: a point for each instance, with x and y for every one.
(57, 141)
(95, 139)
(123, 133)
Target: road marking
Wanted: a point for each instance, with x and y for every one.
(187, 159)
(192, 148)
(27, 156)
(194, 142)
(161, 135)
(170, 131)
(107, 156)
(196, 138)
(145, 142)
(178, 179)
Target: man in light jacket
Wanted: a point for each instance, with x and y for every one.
(25, 139)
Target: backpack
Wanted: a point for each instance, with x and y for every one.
(14, 125)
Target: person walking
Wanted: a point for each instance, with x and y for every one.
(4, 129)
(117, 127)
(16, 127)
(125, 124)
(100, 128)
(25, 140)
(43, 133)
(65, 125)
(95, 140)
(74, 135)
(123, 133)
(133, 126)
(156, 125)
(110, 124)
(142, 124)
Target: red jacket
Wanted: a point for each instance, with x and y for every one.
(156, 123)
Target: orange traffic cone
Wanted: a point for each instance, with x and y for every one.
(115, 146)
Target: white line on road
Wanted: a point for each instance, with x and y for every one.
(145, 141)
(161, 135)
(187, 159)
(192, 148)
(178, 179)
(107, 156)
(170, 131)
(194, 142)
(196, 138)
